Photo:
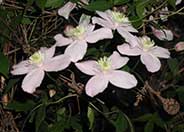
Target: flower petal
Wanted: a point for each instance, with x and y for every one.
(22, 68)
(131, 39)
(163, 34)
(160, 52)
(99, 34)
(66, 9)
(96, 84)
(103, 23)
(48, 52)
(126, 49)
(57, 63)
(122, 79)
(117, 61)
(33, 80)
(61, 40)
(77, 50)
(151, 62)
(88, 67)
(104, 15)
(129, 28)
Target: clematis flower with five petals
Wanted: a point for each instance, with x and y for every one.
(116, 21)
(104, 71)
(35, 67)
(149, 53)
(78, 37)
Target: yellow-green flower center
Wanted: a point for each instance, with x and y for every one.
(104, 63)
(119, 17)
(36, 58)
(76, 32)
(147, 43)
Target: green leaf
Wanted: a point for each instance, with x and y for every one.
(54, 3)
(91, 117)
(144, 118)
(140, 7)
(173, 66)
(40, 116)
(121, 123)
(4, 65)
(10, 84)
(120, 2)
(100, 5)
(26, 21)
(172, 3)
(41, 3)
(20, 106)
(180, 93)
(149, 127)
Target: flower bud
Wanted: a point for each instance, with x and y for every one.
(179, 46)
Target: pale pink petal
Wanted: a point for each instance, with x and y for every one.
(77, 50)
(88, 67)
(22, 68)
(151, 62)
(104, 15)
(117, 61)
(126, 49)
(131, 39)
(178, 2)
(57, 63)
(99, 34)
(129, 28)
(61, 40)
(179, 46)
(160, 52)
(89, 29)
(66, 9)
(122, 79)
(163, 34)
(96, 85)
(103, 22)
(49, 52)
(32, 80)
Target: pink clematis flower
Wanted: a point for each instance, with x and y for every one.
(148, 52)
(78, 37)
(37, 64)
(116, 21)
(162, 34)
(68, 7)
(105, 71)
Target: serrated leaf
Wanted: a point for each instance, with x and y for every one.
(4, 65)
(91, 117)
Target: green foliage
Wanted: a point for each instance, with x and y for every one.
(40, 116)
(54, 3)
(20, 106)
(41, 3)
(91, 117)
(100, 5)
(4, 65)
